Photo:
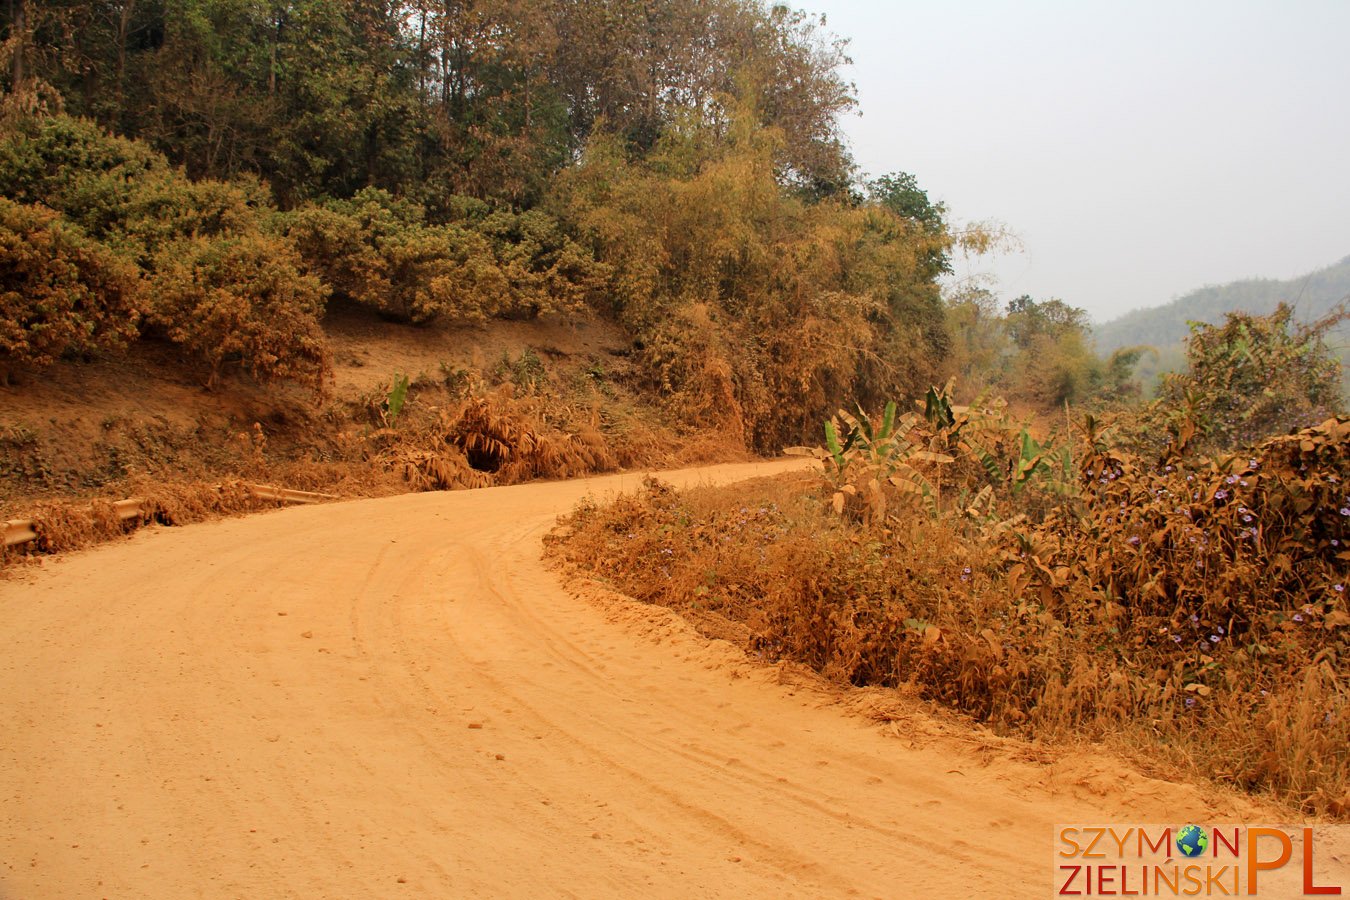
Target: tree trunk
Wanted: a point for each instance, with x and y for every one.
(18, 30)
(272, 61)
(422, 58)
(123, 29)
(529, 107)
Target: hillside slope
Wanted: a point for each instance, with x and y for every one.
(105, 427)
(1312, 296)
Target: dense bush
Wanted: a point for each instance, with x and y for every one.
(217, 284)
(1214, 590)
(758, 311)
(241, 300)
(60, 292)
(119, 191)
(381, 252)
(376, 249)
(1249, 377)
(77, 169)
(547, 270)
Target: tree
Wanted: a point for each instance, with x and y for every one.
(1046, 357)
(744, 291)
(980, 343)
(1030, 319)
(433, 97)
(900, 193)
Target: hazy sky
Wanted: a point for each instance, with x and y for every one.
(1140, 149)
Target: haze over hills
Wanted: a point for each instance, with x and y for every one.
(1312, 296)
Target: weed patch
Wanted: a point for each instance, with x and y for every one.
(1190, 612)
(69, 525)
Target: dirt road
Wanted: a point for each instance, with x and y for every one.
(395, 698)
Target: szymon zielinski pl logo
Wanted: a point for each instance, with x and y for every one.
(1202, 860)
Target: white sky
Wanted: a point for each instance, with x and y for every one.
(1139, 149)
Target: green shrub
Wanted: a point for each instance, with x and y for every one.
(242, 300)
(380, 251)
(377, 250)
(547, 270)
(219, 287)
(77, 169)
(119, 191)
(169, 207)
(60, 292)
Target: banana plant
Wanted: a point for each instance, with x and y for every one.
(863, 456)
(393, 402)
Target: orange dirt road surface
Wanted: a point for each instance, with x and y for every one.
(396, 698)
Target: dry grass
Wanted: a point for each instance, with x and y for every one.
(506, 436)
(494, 438)
(446, 470)
(73, 525)
(1095, 623)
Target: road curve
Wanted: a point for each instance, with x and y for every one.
(395, 698)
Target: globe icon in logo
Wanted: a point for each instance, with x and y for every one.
(1192, 841)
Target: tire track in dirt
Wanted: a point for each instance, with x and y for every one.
(396, 698)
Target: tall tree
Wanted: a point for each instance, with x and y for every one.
(433, 97)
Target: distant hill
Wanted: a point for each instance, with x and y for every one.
(1163, 326)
